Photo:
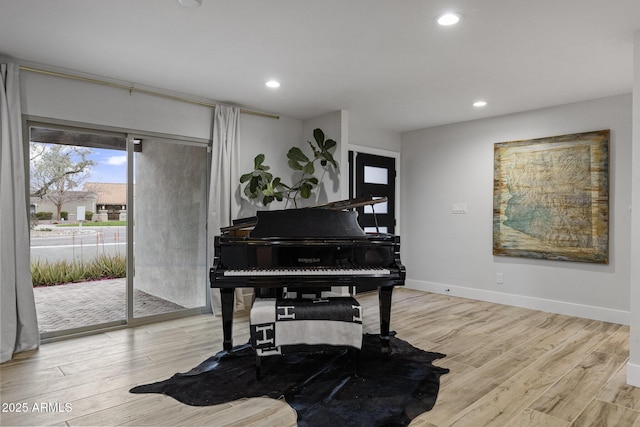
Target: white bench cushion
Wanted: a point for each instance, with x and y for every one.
(277, 323)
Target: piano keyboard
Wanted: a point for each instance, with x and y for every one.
(328, 271)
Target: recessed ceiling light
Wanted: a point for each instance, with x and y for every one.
(190, 4)
(272, 83)
(480, 104)
(449, 19)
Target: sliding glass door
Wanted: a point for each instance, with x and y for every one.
(118, 227)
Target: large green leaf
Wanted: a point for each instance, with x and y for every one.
(294, 165)
(253, 185)
(305, 191)
(318, 135)
(329, 157)
(296, 154)
(258, 160)
(249, 193)
(309, 169)
(328, 145)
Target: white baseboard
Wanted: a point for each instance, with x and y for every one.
(552, 306)
(633, 374)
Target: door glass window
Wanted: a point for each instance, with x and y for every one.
(378, 208)
(376, 175)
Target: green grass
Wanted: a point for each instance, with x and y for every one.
(102, 267)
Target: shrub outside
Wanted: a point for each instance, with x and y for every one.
(60, 272)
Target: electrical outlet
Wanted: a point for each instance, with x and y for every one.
(500, 278)
(459, 208)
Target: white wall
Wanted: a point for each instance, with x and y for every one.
(74, 100)
(364, 132)
(633, 367)
(450, 253)
(334, 125)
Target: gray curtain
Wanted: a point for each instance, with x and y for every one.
(225, 179)
(19, 323)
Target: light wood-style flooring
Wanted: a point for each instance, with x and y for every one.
(509, 367)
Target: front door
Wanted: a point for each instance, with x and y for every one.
(376, 176)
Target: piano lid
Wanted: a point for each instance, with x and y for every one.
(307, 223)
(250, 222)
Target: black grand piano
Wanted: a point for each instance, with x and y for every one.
(309, 248)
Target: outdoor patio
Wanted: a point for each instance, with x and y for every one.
(77, 305)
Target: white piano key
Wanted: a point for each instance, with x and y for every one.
(309, 272)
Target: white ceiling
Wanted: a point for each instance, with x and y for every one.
(383, 60)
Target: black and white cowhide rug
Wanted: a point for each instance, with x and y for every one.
(323, 388)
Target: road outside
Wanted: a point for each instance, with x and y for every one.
(52, 243)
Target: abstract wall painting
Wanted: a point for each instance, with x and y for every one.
(551, 198)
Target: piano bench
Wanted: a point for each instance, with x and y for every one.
(281, 326)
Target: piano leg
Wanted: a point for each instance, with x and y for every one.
(226, 300)
(384, 297)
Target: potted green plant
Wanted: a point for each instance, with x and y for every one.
(261, 183)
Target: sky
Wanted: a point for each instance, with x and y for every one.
(111, 166)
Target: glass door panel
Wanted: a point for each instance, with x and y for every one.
(78, 253)
(169, 234)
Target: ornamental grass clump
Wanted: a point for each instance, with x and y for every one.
(45, 273)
